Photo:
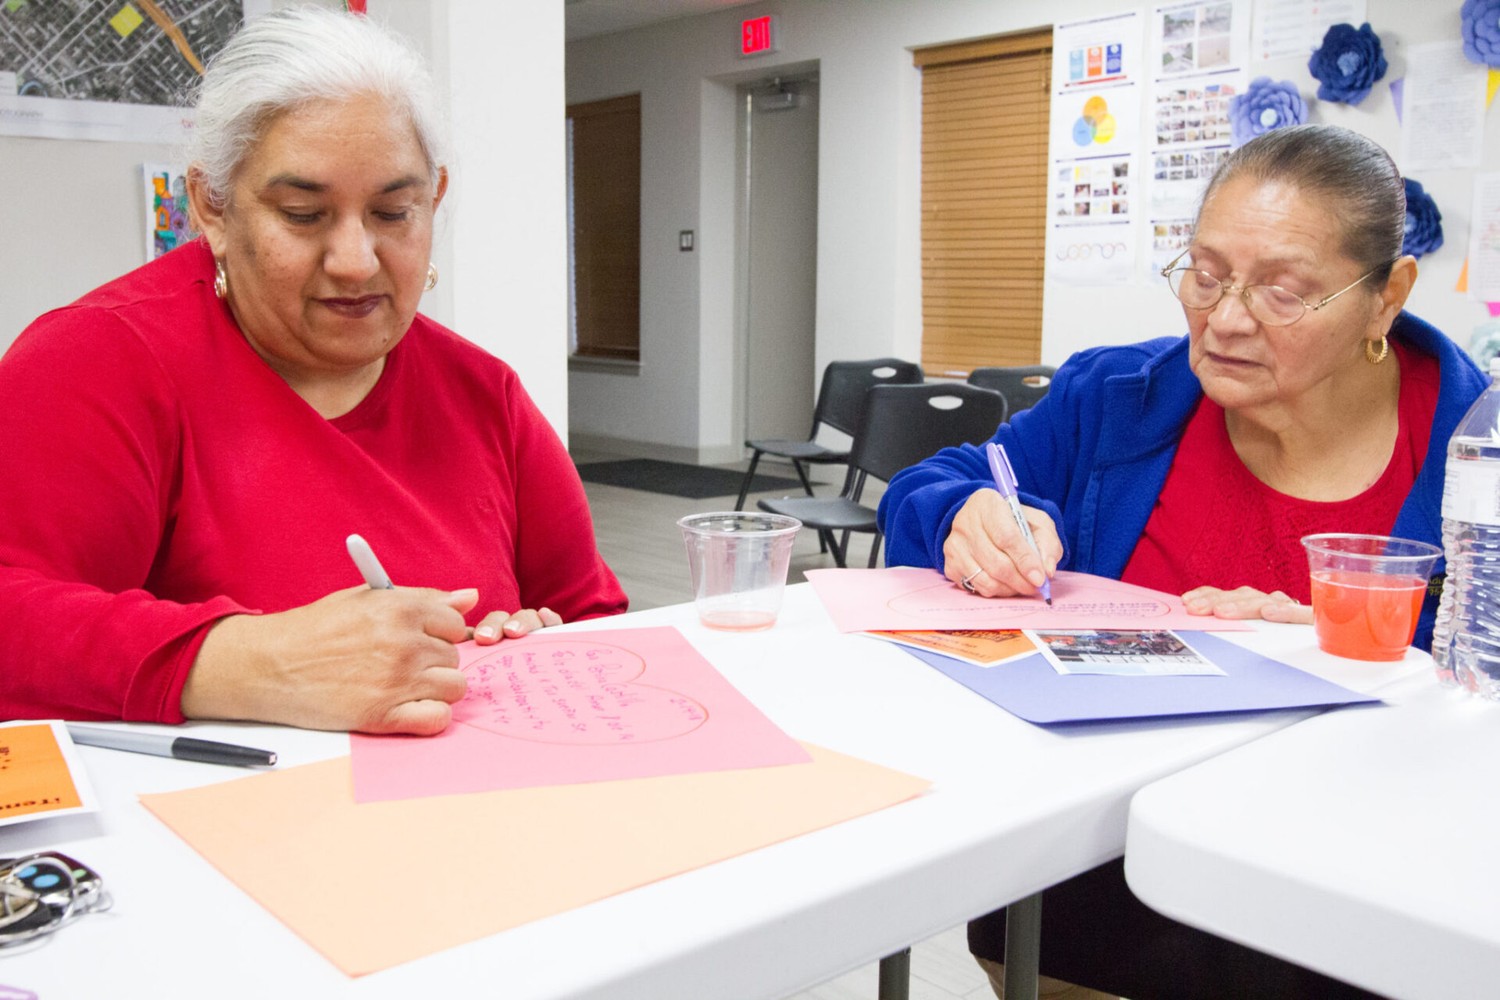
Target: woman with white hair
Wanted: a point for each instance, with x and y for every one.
(184, 450)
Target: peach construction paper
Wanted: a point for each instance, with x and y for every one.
(567, 707)
(866, 600)
(547, 850)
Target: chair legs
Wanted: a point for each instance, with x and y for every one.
(875, 548)
(749, 477)
(802, 475)
(825, 539)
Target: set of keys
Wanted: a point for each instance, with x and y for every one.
(41, 892)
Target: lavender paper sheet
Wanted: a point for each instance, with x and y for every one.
(1030, 689)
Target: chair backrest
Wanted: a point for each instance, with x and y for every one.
(1021, 386)
(903, 424)
(841, 398)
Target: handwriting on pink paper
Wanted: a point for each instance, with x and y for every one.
(1078, 598)
(572, 691)
(862, 600)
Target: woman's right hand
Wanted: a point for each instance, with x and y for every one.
(376, 661)
(986, 541)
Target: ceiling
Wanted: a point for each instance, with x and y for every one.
(586, 18)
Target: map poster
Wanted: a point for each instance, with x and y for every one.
(114, 70)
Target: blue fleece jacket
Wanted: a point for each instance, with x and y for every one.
(1095, 452)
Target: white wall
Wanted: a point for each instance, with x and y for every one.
(75, 214)
(869, 281)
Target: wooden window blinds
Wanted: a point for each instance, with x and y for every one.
(985, 107)
(606, 193)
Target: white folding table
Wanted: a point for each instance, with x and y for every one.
(1364, 843)
(1013, 809)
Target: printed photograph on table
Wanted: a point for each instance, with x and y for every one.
(1119, 653)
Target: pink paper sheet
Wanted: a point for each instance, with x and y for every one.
(860, 600)
(564, 708)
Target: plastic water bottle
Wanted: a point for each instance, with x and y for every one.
(1466, 634)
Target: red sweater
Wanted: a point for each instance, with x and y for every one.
(156, 475)
(1215, 524)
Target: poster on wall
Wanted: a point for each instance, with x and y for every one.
(1285, 29)
(1199, 50)
(167, 225)
(1484, 240)
(1443, 98)
(1094, 150)
(83, 69)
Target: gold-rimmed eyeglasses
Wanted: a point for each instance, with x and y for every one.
(1271, 305)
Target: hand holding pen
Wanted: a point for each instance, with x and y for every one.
(495, 626)
(995, 546)
(1005, 482)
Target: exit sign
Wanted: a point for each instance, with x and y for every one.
(758, 35)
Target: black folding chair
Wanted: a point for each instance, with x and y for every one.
(1021, 386)
(901, 425)
(840, 401)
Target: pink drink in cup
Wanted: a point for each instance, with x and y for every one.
(1367, 592)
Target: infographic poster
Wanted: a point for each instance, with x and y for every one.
(1094, 150)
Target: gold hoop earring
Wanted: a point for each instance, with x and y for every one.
(221, 280)
(431, 278)
(1371, 356)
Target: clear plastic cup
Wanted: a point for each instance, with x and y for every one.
(738, 561)
(1367, 592)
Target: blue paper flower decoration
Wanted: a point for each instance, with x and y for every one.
(1424, 223)
(1480, 28)
(1265, 106)
(1348, 63)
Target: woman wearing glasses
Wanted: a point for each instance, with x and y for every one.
(1303, 399)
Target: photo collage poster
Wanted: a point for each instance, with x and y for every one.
(1199, 52)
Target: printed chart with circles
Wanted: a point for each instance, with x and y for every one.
(1095, 125)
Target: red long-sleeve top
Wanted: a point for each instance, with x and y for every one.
(156, 475)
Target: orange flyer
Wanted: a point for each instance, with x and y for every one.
(40, 775)
(981, 647)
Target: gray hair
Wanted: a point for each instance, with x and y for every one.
(290, 58)
(1350, 173)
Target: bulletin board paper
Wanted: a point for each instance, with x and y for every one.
(297, 842)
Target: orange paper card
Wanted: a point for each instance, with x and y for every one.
(981, 647)
(39, 775)
(545, 850)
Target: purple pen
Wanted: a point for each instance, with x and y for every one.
(1005, 482)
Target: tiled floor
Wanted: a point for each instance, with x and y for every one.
(638, 536)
